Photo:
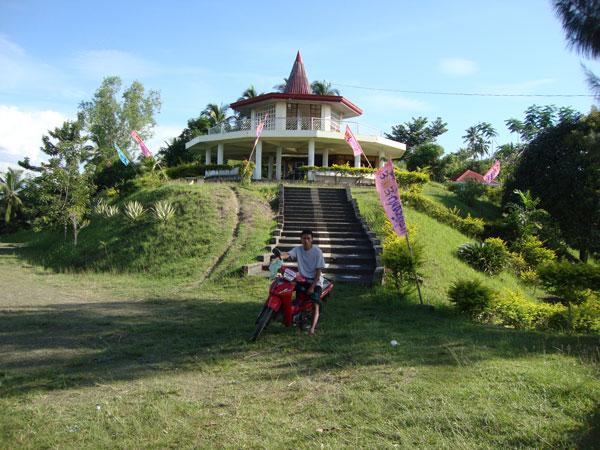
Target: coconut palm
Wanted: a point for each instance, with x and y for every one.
(216, 113)
(281, 87)
(249, 93)
(479, 138)
(581, 23)
(11, 184)
(323, 88)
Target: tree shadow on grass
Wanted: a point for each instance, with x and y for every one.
(66, 345)
(482, 209)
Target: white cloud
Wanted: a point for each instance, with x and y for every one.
(457, 66)
(163, 133)
(21, 133)
(102, 63)
(520, 88)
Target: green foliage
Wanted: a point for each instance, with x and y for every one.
(110, 120)
(559, 165)
(572, 282)
(245, 170)
(468, 192)
(425, 155)
(479, 139)
(539, 119)
(175, 153)
(494, 195)
(11, 185)
(134, 210)
(193, 169)
(323, 88)
(115, 175)
(470, 226)
(401, 264)
(111, 211)
(471, 297)
(488, 257)
(533, 252)
(417, 132)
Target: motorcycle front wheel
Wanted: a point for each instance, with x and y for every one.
(263, 320)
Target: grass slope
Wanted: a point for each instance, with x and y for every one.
(188, 247)
(442, 267)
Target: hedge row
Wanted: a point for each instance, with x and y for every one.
(406, 180)
(512, 309)
(471, 226)
(194, 169)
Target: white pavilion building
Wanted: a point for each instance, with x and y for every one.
(302, 129)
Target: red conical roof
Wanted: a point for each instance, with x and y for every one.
(298, 82)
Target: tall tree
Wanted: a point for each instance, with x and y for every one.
(62, 190)
(11, 185)
(538, 119)
(175, 152)
(216, 113)
(560, 166)
(479, 138)
(581, 23)
(251, 92)
(109, 120)
(281, 86)
(417, 132)
(323, 88)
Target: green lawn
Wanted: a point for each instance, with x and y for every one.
(103, 359)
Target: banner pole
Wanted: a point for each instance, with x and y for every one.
(415, 272)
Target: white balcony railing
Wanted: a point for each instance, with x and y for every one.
(296, 123)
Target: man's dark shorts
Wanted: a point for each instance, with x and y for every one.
(316, 295)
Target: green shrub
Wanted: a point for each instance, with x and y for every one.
(468, 192)
(572, 282)
(471, 297)
(494, 195)
(134, 210)
(533, 252)
(401, 266)
(512, 309)
(489, 256)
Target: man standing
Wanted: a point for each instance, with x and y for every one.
(310, 265)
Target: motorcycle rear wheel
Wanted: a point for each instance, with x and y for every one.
(263, 320)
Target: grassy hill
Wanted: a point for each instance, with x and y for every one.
(214, 224)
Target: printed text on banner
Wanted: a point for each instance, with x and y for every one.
(387, 188)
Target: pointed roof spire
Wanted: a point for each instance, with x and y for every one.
(297, 81)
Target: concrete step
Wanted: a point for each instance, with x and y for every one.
(324, 234)
(293, 240)
(335, 268)
(320, 226)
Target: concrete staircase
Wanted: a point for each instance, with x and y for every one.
(350, 249)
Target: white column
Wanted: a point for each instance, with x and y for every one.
(381, 159)
(325, 157)
(311, 152)
(207, 156)
(357, 160)
(278, 164)
(270, 166)
(257, 175)
(220, 153)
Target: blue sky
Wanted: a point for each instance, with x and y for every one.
(54, 54)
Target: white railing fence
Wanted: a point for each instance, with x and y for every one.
(296, 123)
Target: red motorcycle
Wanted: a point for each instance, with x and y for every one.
(279, 305)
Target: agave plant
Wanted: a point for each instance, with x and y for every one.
(134, 210)
(111, 211)
(100, 207)
(164, 210)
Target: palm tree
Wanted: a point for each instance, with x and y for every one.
(479, 138)
(581, 22)
(281, 87)
(10, 186)
(249, 93)
(216, 113)
(323, 88)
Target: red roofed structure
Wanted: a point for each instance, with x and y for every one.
(302, 129)
(469, 175)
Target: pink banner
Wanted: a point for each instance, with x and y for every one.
(145, 150)
(492, 173)
(259, 129)
(387, 188)
(352, 142)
